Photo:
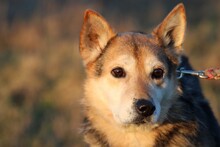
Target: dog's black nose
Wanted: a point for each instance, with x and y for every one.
(144, 107)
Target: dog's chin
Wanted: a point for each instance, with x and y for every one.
(140, 124)
(139, 120)
(143, 120)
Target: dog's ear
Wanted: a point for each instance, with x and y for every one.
(172, 30)
(94, 36)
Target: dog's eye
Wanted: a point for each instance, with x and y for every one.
(118, 72)
(157, 73)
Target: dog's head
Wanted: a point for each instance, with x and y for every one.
(131, 76)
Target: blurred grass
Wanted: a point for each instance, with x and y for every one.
(41, 73)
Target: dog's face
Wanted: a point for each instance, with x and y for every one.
(131, 76)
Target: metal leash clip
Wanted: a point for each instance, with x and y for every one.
(182, 72)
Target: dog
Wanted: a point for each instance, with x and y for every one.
(133, 97)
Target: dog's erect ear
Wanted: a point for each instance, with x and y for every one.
(172, 30)
(94, 36)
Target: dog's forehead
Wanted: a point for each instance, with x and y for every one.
(139, 37)
(133, 43)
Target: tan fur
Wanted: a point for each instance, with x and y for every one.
(173, 27)
(91, 42)
(176, 22)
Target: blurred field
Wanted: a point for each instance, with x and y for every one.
(41, 73)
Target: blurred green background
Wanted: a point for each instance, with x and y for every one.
(41, 73)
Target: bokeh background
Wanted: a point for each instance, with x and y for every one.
(41, 73)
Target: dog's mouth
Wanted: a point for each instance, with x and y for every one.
(142, 120)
